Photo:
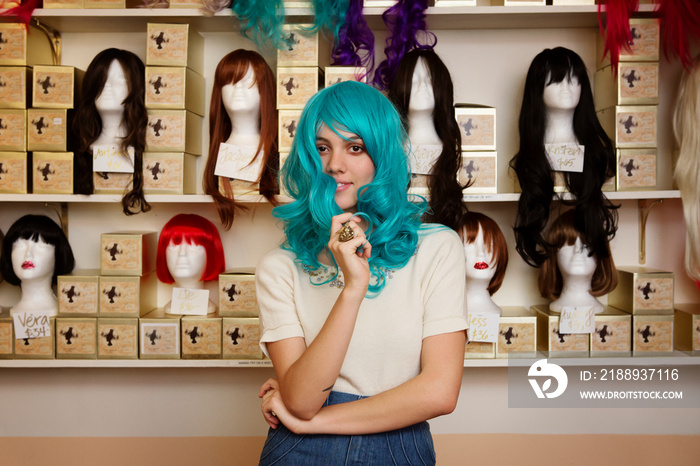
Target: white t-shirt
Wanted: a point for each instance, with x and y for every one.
(424, 298)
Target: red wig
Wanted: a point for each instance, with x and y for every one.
(194, 230)
(493, 239)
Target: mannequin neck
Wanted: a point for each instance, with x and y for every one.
(576, 292)
(559, 127)
(113, 128)
(190, 283)
(421, 128)
(478, 298)
(37, 296)
(245, 128)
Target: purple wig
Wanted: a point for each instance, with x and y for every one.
(354, 37)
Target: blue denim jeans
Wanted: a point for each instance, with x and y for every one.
(412, 445)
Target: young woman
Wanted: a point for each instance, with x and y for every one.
(362, 307)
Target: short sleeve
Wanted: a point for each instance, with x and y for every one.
(444, 279)
(274, 289)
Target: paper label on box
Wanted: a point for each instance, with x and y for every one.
(483, 327)
(636, 127)
(108, 158)
(237, 162)
(5, 338)
(477, 130)
(639, 80)
(166, 131)
(189, 302)
(637, 171)
(645, 40)
(13, 131)
(566, 157)
(54, 88)
(202, 337)
(577, 320)
(32, 325)
(653, 335)
(78, 297)
(12, 86)
(241, 340)
(119, 297)
(560, 341)
(160, 339)
(423, 157)
(117, 340)
(13, 174)
(653, 293)
(165, 87)
(612, 336)
(479, 171)
(13, 43)
(516, 337)
(76, 338)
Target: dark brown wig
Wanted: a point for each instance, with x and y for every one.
(493, 239)
(87, 123)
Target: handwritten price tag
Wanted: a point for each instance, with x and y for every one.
(565, 157)
(483, 327)
(423, 157)
(189, 302)
(108, 158)
(32, 325)
(237, 162)
(577, 320)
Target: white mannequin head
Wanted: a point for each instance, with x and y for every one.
(110, 106)
(577, 268)
(241, 101)
(33, 260)
(481, 268)
(186, 263)
(421, 105)
(560, 100)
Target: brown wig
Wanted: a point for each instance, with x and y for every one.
(493, 239)
(231, 69)
(87, 123)
(445, 203)
(563, 232)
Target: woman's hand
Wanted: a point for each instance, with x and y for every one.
(273, 408)
(353, 262)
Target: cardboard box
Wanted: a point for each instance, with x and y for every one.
(336, 74)
(6, 335)
(239, 187)
(449, 3)
(52, 172)
(288, 121)
(159, 336)
(128, 296)
(111, 183)
(477, 125)
(174, 131)
(56, 86)
(101, 4)
(646, 33)
(303, 48)
(636, 83)
(613, 333)
(296, 85)
(517, 333)
(174, 45)
(481, 169)
(630, 127)
(128, 253)
(13, 172)
(518, 2)
(241, 338)
(686, 328)
(48, 129)
(555, 344)
(78, 293)
(13, 130)
(174, 88)
(479, 350)
(652, 335)
(22, 47)
(237, 294)
(36, 348)
(76, 338)
(636, 169)
(185, 4)
(117, 338)
(201, 337)
(169, 173)
(14, 87)
(63, 4)
(643, 291)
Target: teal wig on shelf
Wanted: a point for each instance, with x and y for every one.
(362, 110)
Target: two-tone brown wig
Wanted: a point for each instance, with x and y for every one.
(493, 239)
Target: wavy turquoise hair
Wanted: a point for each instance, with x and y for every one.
(359, 109)
(261, 21)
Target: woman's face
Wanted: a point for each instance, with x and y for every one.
(573, 260)
(422, 97)
(347, 161)
(564, 95)
(115, 90)
(243, 96)
(33, 259)
(186, 260)
(479, 260)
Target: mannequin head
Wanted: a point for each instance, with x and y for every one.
(113, 86)
(229, 100)
(485, 249)
(189, 248)
(425, 65)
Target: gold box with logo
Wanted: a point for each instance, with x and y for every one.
(159, 335)
(169, 173)
(643, 290)
(335, 74)
(78, 293)
(174, 45)
(645, 32)
(517, 333)
(449, 3)
(631, 126)
(303, 48)
(237, 294)
(288, 121)
(36, 348)
(296, 85)
(481, 170)
(518, 2)
(613, 333)
(14, 86)
(100, 4)
(128, 296)
(13, 172)
(201, 337)
(112, 182)
(76, 338)
(636, 169)
(13, 130)
(636, 83)
(117, 338)
(554, 343)
(63, 4)
(22, 46)
(48, 129)
(185, 4)
(128, 253)
(174, 88)
(6, 335)
(479, 350)
(52, 172)
(477, 126)
(686, 328)
(55, 86)
(241, 338)
(174, 131)
(652, 335)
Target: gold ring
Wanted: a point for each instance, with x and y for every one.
(346, 233)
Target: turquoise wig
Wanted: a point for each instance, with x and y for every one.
(362, 110)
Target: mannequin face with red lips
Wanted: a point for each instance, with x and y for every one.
(33, 259)
(479, 260)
